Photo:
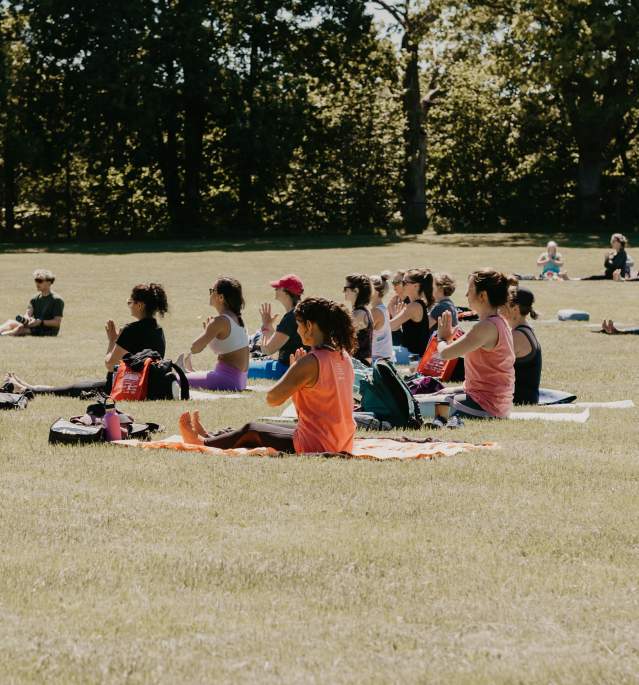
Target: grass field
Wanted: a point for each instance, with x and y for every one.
(518, 565)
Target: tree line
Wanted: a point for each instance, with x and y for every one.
(142, 118)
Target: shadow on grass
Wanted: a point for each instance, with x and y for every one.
(311, 242)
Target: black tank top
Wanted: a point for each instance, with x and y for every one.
(364, 350)
(415, 334)
(528, 370)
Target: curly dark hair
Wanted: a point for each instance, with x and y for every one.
(331, 318)
(153, 297)
(364, 288)
(494, 283)
(425, 279)
(231, 290)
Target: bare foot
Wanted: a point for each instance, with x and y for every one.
(197, 424)
(189, 436)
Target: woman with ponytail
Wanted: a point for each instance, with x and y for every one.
(357, 292)
(516, 311)
(226, 336)
(412, 318)
(319, 382)
(146, 300)
(488, 351)
(382, 334)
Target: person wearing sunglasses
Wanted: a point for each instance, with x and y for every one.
(43, 316)
(412, 318)
(226, 336)
(145, 302)
(357, 292)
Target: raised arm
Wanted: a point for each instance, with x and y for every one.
(213, 327)
(484, 334)
(410, 312)
(302, 373)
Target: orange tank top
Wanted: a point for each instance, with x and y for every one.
(325, 411)
(490, 374)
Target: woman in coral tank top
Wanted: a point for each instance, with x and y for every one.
(319, 382)
(488, 350)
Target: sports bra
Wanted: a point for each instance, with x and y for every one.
(236, 340)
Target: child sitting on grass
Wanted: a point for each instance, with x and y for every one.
(319, 382)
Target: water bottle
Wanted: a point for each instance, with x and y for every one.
(111, 421)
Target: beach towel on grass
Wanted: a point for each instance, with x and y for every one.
(375, 449)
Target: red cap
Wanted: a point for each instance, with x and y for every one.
(290, 282)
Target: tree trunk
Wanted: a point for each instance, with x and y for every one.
(9, 185)
(169, 166)
(68, 198)
(414, 200)
(589, 173)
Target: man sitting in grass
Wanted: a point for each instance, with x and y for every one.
(43, 316)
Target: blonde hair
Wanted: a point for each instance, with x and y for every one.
(446, 282)
(380, 283)
(44, 274)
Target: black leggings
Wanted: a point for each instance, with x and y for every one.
(255, 435)
(73, 390)
(597, 277)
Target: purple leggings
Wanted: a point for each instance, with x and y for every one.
(223, 377)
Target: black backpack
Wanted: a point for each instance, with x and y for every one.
(13, 400)
(388, 397)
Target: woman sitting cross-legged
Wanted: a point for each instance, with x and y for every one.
(282, 340)
(382, 334)
(357, 292)
(412, 318)
(527, 348)
(487, 349)
(226, 336)
(319, 382)
(146, 300)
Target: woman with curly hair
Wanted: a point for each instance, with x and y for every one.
(319, 382)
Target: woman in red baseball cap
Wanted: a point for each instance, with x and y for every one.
(282, 340)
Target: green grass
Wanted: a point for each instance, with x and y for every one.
(516, 565)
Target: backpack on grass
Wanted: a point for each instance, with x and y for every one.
(89, 428)
(146, 376)
(388, 397)
(13, 400)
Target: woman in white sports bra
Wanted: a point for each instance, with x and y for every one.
(226, 335)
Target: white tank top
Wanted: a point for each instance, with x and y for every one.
(383, 337)
(237, 339)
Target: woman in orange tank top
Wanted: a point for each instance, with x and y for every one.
(488, 350)
(319, 382)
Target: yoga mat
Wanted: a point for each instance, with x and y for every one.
(211, 395)
(580, 417)
(372, 449)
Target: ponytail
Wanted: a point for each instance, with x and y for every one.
(364, 288)
(425, 279)
(380, 283)
(231, 290)
(153, 297)
(331, 318)
(494, 283)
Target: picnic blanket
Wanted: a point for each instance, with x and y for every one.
(374, 449)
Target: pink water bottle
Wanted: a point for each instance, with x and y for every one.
(111, 421)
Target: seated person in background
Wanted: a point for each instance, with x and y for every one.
(412, 318)
(615, 263)
(551, 262)
(43, 316)
(527, 348)
(226, 335)
(443, 287)
(609, 328)
(357, 292)
(146, 300)
(396, 302)
(283, 340)
(382, 334)
(487, 349)
(319, 382)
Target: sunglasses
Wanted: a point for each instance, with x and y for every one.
(409, 283)
(39, 280)
(397, 282)
(347, 287)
